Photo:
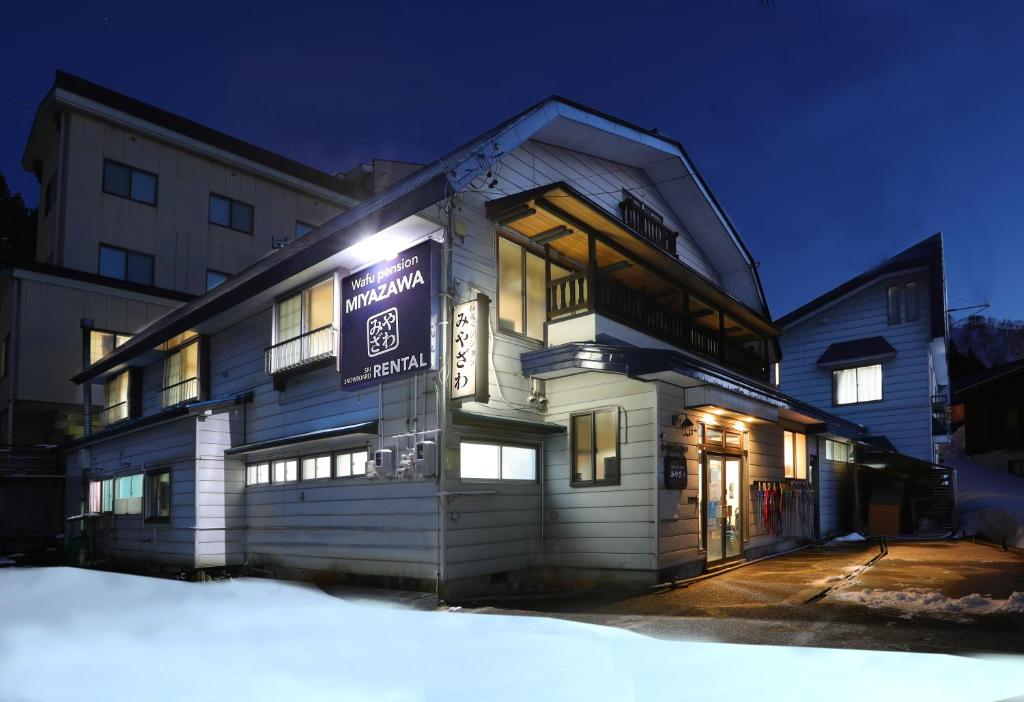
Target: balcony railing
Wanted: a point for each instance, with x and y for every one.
(178, 393)
(571, 294)
(114, 413)
(648, 223)
(303, 350)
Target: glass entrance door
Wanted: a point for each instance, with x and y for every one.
(722, 507)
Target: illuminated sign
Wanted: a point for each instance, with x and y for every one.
(470, 337)
(389, 318)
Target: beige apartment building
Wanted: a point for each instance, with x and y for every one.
(140, 210)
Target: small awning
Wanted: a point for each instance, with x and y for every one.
(874, 348)
(491, 422)
(362, 429)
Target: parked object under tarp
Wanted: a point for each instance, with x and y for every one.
(900, 495)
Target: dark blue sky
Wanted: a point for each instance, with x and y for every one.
(833, 133)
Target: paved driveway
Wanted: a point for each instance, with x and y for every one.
(920, 596)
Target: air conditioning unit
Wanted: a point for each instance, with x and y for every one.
(426, 459)
(384, 461)
(371, 469)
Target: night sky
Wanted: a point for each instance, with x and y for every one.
(834, 134)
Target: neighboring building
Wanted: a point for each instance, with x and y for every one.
(140, 210)
(541, 359)
(988, 412)
(873, 350)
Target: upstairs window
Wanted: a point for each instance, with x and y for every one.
(892, 297)
(304, 329)
(302, 229)
(158, 496)
(124, 264)
(594, 439)
(225, 212)
(128, 494)
(522, 288)
(795, 454)
(115, 407)
(181, 376)
(853, 385)
(214, 278)
(128, 182)
(913, 308)
(103, 342)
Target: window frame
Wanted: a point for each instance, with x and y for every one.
(892, 307)
(835, 386)
(349, 452)
(299, 459)
(301, 292)
(500, 443)
(830, 451)
(807, 456)
(256, 464)
(171, 353)
(114, 334)
(329, 455)
(524, 317)
(131, 194)
(910, 292)
(594, 482)
(126, 373)
(232, 202)
(148, 496)
(127, 253)
(141, 497)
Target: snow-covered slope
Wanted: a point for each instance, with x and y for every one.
(69, 634)
(988, 502)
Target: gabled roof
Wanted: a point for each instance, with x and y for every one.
(68, 83)
(555, 119)
(927, 253)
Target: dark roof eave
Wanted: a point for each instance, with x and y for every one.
(367, 428)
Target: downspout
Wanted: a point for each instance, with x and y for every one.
(87, 325)
(12, 358)
(442, 390)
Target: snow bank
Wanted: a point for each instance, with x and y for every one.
(989, 502)
(921, 601)
(76, 634)
(851, 538)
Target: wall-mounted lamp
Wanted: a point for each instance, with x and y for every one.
(683, 422)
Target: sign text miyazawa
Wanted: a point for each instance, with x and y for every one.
(389, 318)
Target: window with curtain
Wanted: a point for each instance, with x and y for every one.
(115, 406)
(181, 376)
(522, 290)
(595, 448)
(128, 494)
(304, 327)
(484, 460)
(853, 385)
(103, 342)
(795, 454)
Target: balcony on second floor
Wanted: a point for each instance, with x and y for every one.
(311, 348)
(604, 278)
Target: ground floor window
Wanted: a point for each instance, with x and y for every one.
(101, 496)
(257, 474)
(158, 496)
(286, 471)
(838, 451)
(480, 460)
(316, 467)
(350, 463)
(595, 447)
(128, 494)
(343, 464)
(795, 454)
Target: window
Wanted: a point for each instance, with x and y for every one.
(522, 289)
(101, 496)
(128, 182)
(133, 266)
(1016, 467)
(286, 471)
(158, 496)
(303, 328)
(892, 296)
(302, 229)
(497, 461)
(350, 463)
(257, 474)
(795, 454)
(128, 494)
(229, 213)
(838, 451)
(910, 292)
(214, 278)
(713, 436)
(181, 376)
(595, 447)
(102, 342)
(853, 385)
(115, 407)
(50, 196)
(5, 350)
(316, 467)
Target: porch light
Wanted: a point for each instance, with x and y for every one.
(684, 423)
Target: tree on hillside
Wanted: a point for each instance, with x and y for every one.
(17, 227)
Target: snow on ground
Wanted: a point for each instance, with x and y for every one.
(851, 538)
(922, 601)
(67, 633)
(989, 502)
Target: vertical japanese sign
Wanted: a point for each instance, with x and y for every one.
(389, 318)
(470, 340)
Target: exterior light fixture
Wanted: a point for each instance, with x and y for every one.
(683, 422)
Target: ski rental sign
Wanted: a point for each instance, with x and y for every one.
(389, 316)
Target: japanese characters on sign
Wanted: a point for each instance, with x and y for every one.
(470, 337)
(389, 318)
